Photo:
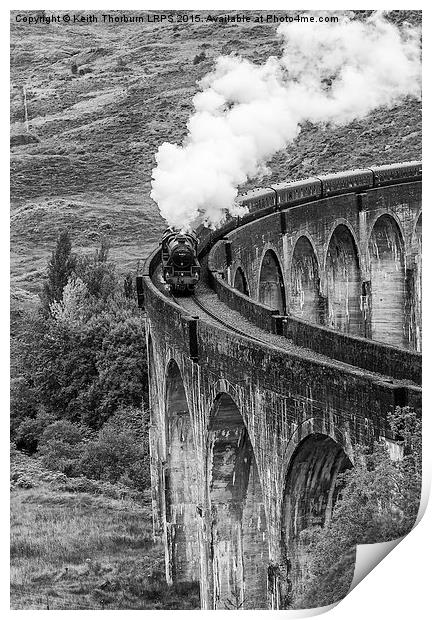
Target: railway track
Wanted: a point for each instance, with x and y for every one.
(220, 321)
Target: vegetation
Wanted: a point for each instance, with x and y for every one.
(379, 503)
(60, 269)
(81, 527)
(81, 544)
(79, 357)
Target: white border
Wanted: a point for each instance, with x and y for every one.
(400, 586)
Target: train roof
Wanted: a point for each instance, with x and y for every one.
(299, 182)
(255, 193)
(404, 164)
(345, 174)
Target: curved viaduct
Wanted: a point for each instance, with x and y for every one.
(303, 333)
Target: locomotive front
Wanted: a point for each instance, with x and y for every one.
(181, 269)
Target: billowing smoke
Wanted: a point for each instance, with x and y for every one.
(245, 113)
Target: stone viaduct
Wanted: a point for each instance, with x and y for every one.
(303, 334)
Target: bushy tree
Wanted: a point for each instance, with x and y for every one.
(379, 503)
(29, 431)
(119, 452)
(60, 268)
(97, 272)
(23, 401)
(128, 286)
(61, 446)
(84, 358)
(84, 366)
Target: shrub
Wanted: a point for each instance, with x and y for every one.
(60, 268)
(23, 403)
(30, 430)
(199, 58)
(119, 453)
(61, 447)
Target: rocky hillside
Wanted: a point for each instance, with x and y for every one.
(102, 97)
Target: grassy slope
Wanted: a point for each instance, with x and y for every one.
(79, 545)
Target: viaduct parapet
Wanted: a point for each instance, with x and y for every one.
(302, 335)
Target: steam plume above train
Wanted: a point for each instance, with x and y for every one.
(245, 113)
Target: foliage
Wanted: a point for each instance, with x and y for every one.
(119, 453)
(61, 447)
(23, 403)
(60, 268)
(128, 286)
(379, 503)
(72, 305)
(30, 429)
(97, 272)
(199, 58)
(85, 358)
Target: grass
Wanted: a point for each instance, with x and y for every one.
(85, 550)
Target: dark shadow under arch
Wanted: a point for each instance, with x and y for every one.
(344, 290)
(240, 282)
(304, 299)
(238, 529)
(311, 490)
(181, 491)
(271, 289)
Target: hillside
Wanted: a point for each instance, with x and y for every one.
(94, 133)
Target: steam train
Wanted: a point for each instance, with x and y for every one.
(289, 194)
(181, 268)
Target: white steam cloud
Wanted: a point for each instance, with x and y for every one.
(245, 113)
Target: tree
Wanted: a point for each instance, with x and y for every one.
(119, 452)
(379, 502)
(60, 268)
(98, 273)
(61, 446)
(81, 361)
(128, 286)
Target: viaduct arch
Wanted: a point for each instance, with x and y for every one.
(305, 298)
(180, 482)
(387, 267)
(238, 522)
(260, 392)
(271, 288)
(342, 270)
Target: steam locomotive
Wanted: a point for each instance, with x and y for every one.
(180, 266)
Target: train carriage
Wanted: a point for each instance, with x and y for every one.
(293, 193)
(262, 200)
(395, 173)
(346, 182)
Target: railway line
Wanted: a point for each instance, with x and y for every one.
(205, 306)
